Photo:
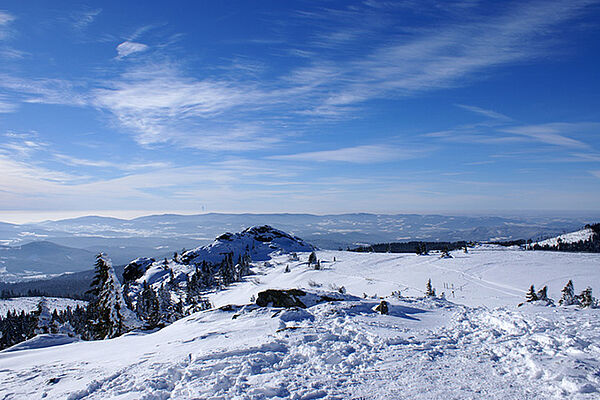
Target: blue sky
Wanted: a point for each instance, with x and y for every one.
(130, 108)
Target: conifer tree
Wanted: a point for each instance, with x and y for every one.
(109, 313)
(586, 299)
(542, 294)
(45, 324)
(318, 265)
(568, 295)
(312, 258)
(531, 295)
(429, 290)
(147, 307)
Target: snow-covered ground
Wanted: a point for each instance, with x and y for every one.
(29, 304)
(476, 345)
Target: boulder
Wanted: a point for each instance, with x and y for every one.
(382, 308)
(281, 298)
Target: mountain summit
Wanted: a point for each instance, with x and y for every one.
(257, 242)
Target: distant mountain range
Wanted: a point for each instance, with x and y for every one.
(161, 235)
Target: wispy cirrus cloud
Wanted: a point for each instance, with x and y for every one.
(44, 91)
(555, 133)
(7, 105)
(123, 166)
(158, 104)
(127, 48)
(82, 19)
(421, 59)
(366, 154)
(5, 20)
(484, 112)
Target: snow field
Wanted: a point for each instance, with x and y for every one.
(484, 348)
(29, 304)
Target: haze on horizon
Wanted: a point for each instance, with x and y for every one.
(137, 108)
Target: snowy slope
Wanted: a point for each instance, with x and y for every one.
(571, 237)
(28, 304)
(425, 349)
(259, 242)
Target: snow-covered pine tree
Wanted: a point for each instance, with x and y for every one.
(45, 324)
(568, 295)
(429, 290)
(227, 270)
(169, 309)
(147, 307)
(111, 317)
(66, 329)
(531, 295)
(542, 294)
(312, 258)
(194, 298)
(586, 299)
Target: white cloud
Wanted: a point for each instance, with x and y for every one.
(367, 154)
(127, 48)
(157, 104)
(427, 59)
(5, 20)
(554, 133)
(484, 112)
(124, 166)
(7, 106)
(45, 91)
(81, 19)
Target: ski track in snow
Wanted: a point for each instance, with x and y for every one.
(423, 350)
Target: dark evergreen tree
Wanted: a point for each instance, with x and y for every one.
(45, 323)
(429, 290)
(568, 295)
(531, 295)
(109, 314)
(147, 307)
(586, 299)
(422, 249)
(542, 294)
(312, 258)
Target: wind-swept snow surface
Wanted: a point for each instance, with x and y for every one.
(423, 349)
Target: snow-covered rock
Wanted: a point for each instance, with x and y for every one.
(136, 268)
(259, 242)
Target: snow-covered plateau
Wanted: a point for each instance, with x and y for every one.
(29, 304)
(474, 344)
